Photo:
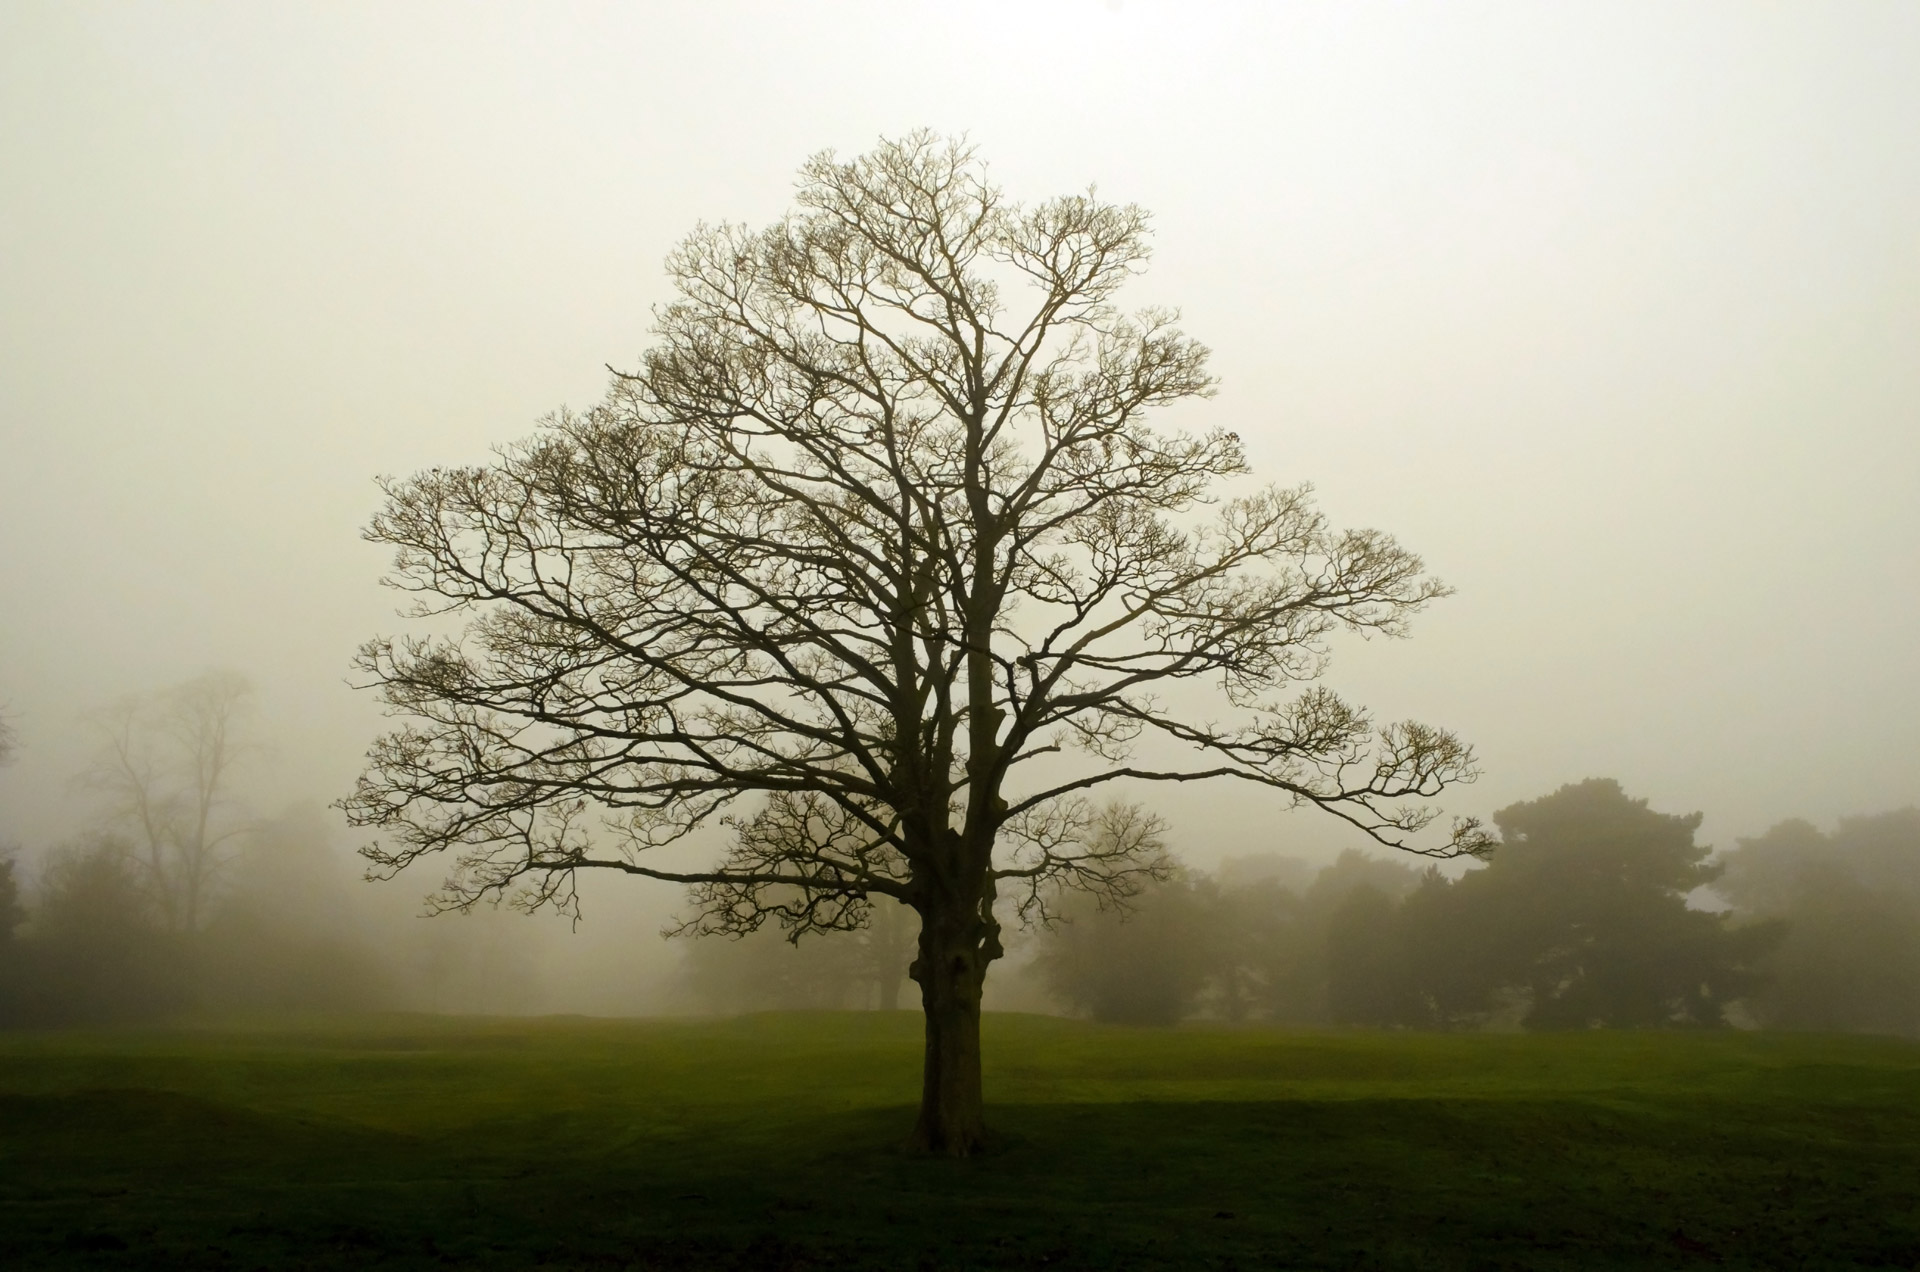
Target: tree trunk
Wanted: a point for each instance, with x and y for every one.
(951, 968)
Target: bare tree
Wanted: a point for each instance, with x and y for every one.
(876, 559)
(166, 767)
(9, 741)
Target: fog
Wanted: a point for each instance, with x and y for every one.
(1607, 310)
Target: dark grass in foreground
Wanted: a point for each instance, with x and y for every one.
(770, 1142)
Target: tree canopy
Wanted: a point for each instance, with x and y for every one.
(1583, 911)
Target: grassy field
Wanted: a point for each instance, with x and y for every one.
(769, 1142)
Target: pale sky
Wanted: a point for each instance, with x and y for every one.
(1610, 310)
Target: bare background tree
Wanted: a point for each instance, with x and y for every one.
(166, 768)
(876, 560)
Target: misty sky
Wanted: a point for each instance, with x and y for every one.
(1611, 311)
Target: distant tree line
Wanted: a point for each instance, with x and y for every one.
(178, 899)
(765, 971)
(95, 945)
(1594, 911)
(1849, 903)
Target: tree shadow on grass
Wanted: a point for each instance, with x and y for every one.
(1396, 1183)
(140, 1178)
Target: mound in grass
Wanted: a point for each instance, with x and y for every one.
(771, 1142)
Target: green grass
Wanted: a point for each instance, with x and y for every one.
(771, 1142)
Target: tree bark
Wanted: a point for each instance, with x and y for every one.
(951, 969)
